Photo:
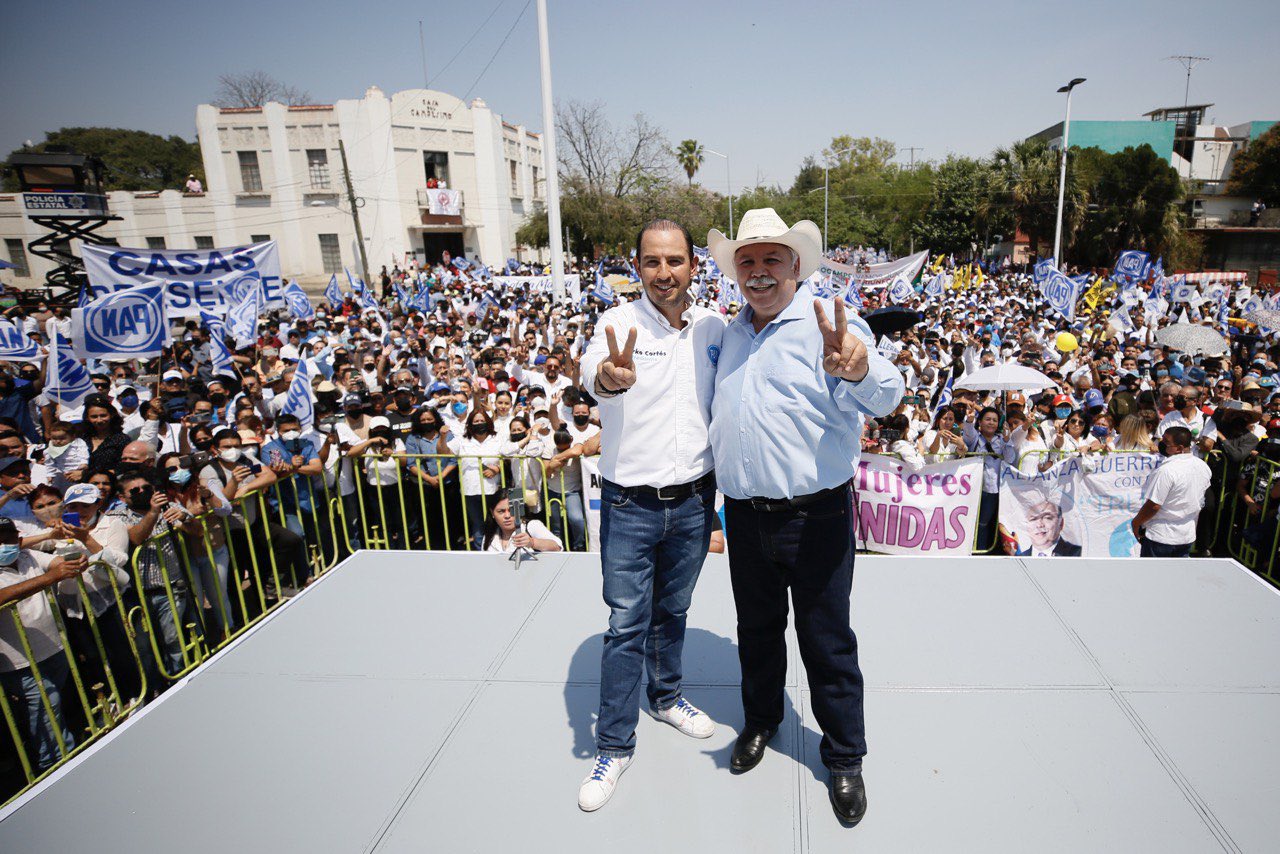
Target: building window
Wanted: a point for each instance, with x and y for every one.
(537, 191)
(318, 168)
(436, 165)
(204, 241)
(259, 238)
(330, 254)
(515, 177)
(155, 243)
(250, 176)
(18, 258)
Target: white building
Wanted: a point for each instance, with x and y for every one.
(275, 172)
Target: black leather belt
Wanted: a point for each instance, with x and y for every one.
(678, 492)
(777, 505)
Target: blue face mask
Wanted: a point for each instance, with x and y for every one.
(1099, 430)
(459, 409)
(8, 554)
(129, 401)
(1062, 412)
(180, 476)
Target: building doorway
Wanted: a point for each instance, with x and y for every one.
(435, 244)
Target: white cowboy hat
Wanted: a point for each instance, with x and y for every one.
(763, 225)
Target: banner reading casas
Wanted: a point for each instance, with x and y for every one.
(1080, 507)
(932, 510)
(194, 279)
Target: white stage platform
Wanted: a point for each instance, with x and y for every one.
(437, 702)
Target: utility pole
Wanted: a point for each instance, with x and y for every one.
(1188, 62)
(913, 149)
(355, 213)
(549, 162)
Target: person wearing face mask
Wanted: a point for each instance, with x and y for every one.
(16, 396)
(24, 576)
(154, 526)
(209, 574)
(433, 483)
(130, 405)
(401, 412)
(290, 454)
(219, 396)
(479, 451)
(380, 463)
(1185, 412)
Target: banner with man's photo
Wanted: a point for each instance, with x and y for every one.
(932, 510)
(1081, 507)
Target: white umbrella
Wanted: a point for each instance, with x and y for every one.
(1192, 338)
(1264, 317)
(1005, 376)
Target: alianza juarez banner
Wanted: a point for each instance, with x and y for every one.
(932, 510)
(1081, 507)
(194, 279)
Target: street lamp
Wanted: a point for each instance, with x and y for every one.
(826, 194)
(729, 181)
(1062, 176)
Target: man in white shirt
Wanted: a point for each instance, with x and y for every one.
(658, 494)
(1174, 494)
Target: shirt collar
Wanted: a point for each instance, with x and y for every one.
(647, 305)
(794, 311)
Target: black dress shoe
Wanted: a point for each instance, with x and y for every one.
(848, 797)
(748, 750)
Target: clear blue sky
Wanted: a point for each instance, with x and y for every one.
(765, 82)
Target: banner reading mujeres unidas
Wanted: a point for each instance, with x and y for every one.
(1081, 507)
(932, 510)
(194, 279)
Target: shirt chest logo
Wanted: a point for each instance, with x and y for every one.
(713, 353)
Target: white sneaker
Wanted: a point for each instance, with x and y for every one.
(685, 717)
(600, 784)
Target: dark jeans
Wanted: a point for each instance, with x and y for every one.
(988, 524)
(809, 549)
(651, 554)
(1150, 548)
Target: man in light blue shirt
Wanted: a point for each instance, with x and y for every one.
(794, 381)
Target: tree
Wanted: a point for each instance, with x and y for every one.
(1132, 197)
(689, 155)
(253, 89)
(134, 159)
(958, 219)
(1256, 170)
(1029, 171)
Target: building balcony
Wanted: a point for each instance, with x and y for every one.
(440, 207)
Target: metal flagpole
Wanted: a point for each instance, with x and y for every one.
(549, 162)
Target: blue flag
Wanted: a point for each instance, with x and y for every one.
(936, 285)
(1184, 291)
(1132, 265)
(944, 399)
(298, 400)
(406, 301)
(219, 353)
(127, 324)
(298, 301)
(1062, 293)
(1043, 269)
(15, 346)
(67, 381)
(853, 296)
(332, 292)
(242, 320)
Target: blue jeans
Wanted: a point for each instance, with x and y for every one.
(174, 630)
(651, 555)
(808, 549)
(37, 729)
(1150, 548)
(572, 502)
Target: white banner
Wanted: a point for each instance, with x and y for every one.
(1080, 507)
(931, 511)
(591, 483)
(194, 279)
(445, 202)
(540, 284)
(877, 275)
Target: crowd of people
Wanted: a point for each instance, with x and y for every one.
(460, 423)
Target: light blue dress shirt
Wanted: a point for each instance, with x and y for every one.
(781, 426)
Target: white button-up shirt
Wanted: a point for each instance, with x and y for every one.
(656, 434)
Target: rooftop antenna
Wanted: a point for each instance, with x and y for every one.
(422, 47)
(1188, 62)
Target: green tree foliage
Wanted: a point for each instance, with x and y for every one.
(960, 218)
(1028, 173)
(1132, 197)
(1256, 170)
(689, 155)
(135, 160)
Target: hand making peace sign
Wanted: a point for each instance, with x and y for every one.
(843, 353)
(618, 372)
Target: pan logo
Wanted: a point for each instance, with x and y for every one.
(128, 321)
(713, 353)
(243, 286)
